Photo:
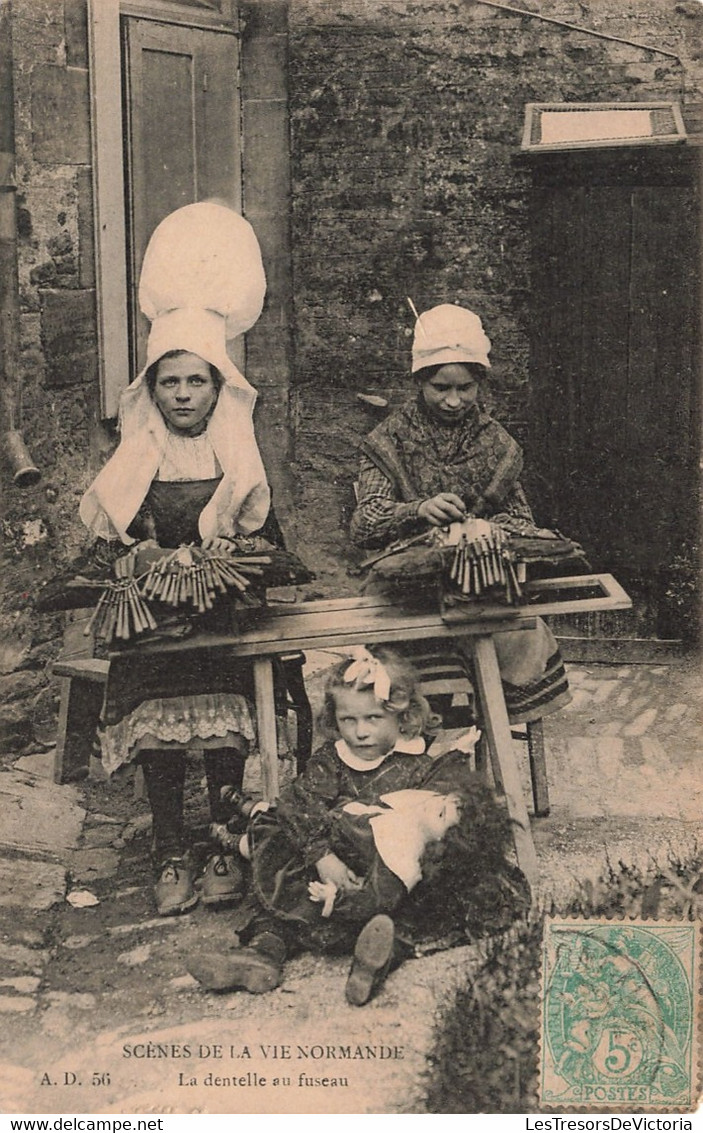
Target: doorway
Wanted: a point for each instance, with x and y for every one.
(182, 135)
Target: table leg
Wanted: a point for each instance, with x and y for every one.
(538, 768)
(500, 743)
(266, 726)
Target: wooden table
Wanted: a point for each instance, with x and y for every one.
(343, 622)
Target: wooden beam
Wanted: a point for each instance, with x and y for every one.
(109, 208)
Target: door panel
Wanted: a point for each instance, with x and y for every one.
(183, 133)
(614, 369)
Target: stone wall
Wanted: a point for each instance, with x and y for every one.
(56, 382)
(406, 115)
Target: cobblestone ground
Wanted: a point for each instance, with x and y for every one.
(85, 988)
(624, 763)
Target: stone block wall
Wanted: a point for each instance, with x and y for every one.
(405, 117)
(58, 376)
(56, 381)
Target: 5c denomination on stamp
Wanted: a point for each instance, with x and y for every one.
(619, 1018)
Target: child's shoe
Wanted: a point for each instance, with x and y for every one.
(174, 891)
(223, 883)
(373, 953)
(270, 944)
(244, 968)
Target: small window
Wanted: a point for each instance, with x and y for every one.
(553, 126)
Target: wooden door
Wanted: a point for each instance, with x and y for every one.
(182, 133)
(614, 418)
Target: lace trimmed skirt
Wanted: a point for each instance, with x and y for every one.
(189, 722)
(194, 700)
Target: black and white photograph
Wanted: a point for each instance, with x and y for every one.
(351, 710)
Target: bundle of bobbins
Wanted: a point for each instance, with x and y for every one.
(187, 576)
(483, 561)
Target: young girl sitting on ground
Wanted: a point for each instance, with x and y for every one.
(374, 826)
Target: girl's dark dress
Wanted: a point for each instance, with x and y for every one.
(468, 884)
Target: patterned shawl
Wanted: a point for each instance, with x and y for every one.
(477, 458)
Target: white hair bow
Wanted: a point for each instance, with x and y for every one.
(366, 669)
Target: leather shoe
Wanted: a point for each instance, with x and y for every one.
(174, 891)
(373, 953)
(270, 944)
(222, 881)
(243, 968)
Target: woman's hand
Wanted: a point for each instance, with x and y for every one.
(442, 509)
(331, 868)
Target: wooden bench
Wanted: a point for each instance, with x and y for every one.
(81, 687)
(83, 680)
(82, 683)
(334, 623)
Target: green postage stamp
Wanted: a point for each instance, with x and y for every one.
(620, 1014)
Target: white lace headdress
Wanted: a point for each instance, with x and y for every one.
(202, 284)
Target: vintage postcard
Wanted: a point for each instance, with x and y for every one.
(350, 686)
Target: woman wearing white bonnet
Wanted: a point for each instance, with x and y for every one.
(187, 469)
(202, 284)
(442, 457)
